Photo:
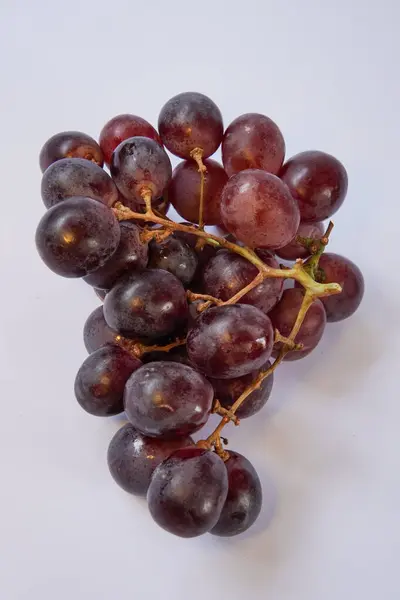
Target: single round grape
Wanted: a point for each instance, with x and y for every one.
(227, 273)
(244, 500)
(184, 191)
(132, 457)
(318, 182)
(230, 341)
(131, 255)
(77, 177)
(257, 208)
(122, 127)
(296, 250)
(227, 391)
(253, 141)
(190, 120)
(283, 317)
(100, 382)
(140, 163)
(187, 492)
(77, 236)
(168, 399)
(96, 332)
(175, 256)
(70, 144)
(338, 269)
(149, 304)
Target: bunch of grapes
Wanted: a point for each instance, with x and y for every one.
(192, 323)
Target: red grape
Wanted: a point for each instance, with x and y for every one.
(77, 236)
(244, 500)
(230, 341)
(122, 127)
(257, 208)
(139, 163)
(296, 250)
(70, 144)
(100, 382)
(96, 332)
(187, 492)
(338, 269)
(283, 318)
(190, 120)
(253, 141)
(184, 191)
(175, 256)
(318, 182)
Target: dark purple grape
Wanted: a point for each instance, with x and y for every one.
(168, 399)
(175, 256)
(150, 304)
(190, 120)
(230, 341)
(296, 250)
(70, 144)
(187, 492)
(244, 500)
(122, 127)
(338, 269)
(257, 208)
(227, 391)
(100, 382)
(177, 354)
(77, 177)
(184, 191)
(96, 332)
(227, 273)
(77, 236)
(253, 141)
(131, 255)
(132, 457)
(139, 163)
(283, 318)
(318, 182)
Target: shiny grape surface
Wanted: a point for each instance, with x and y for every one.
(187, 492)
(100, 382)
(168, 399)
(338, 269)
(283, 318)
(77, 236)
(122, 127)
(318, 181)
(294, 249)
(258, 209)
(139, 163)
(96, 332)
(77, 177)
(149, 304)
(175, 256)
(253, 141)
(244, 499)
(230, 341)
(132, 457)
(70, 144)
(190, 120)
(184, 191)
(130, 256)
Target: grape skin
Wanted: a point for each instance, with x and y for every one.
(96, 332)
(295, 250)
(338, 269)
(70, 144)
(175, 256)
(122, 127)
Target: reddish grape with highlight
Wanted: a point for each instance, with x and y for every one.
(334, 268)
(70, 144)
(122, 127)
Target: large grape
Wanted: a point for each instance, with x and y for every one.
(296, 250)
(259, 210)
(338, 269)
(187, 492)
(96, 332)
(175, 256)
(168, 399)
(122, 127)
(70, 144)
(77, 236)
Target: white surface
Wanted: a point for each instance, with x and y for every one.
(328, 73)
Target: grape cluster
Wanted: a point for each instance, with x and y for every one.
(192, 323)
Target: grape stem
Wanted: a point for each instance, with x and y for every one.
(138, 350)
(197, 155)
(206, 297)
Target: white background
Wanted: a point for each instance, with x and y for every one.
(328, 445)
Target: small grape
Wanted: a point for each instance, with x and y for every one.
(187, 492)
(318, 182)
(244, 500)
(70, 144)
(77, 236)
(190, 120)
(96, 332)
(257, 208)
(168, 399)
(122, 127)
(175, 256)
(253, 141)
(296, 250)
(100, 382)
(334, 268)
